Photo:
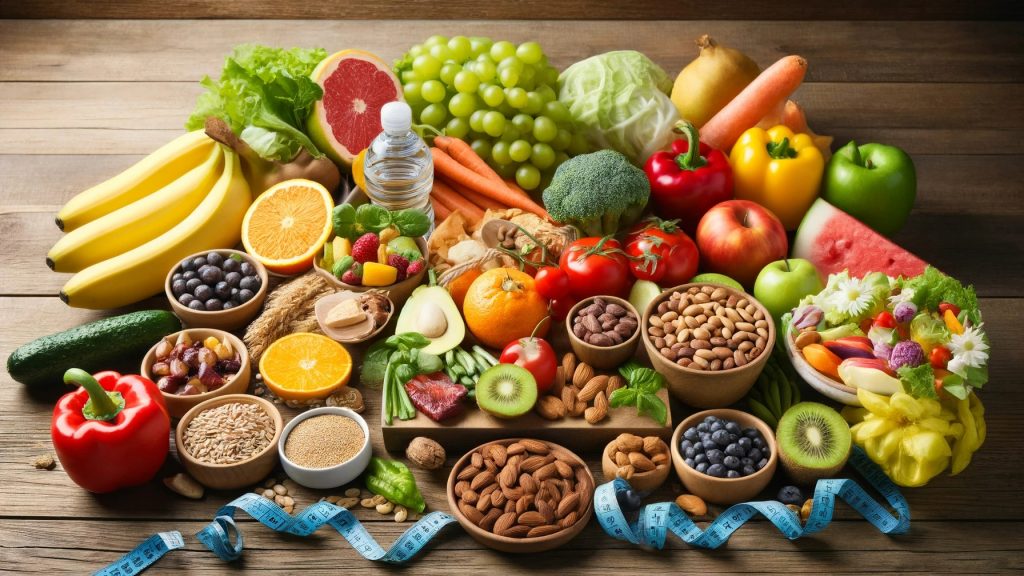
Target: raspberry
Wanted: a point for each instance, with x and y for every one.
(415, 267)
(353, 276)
(400, 263)
(364, 249)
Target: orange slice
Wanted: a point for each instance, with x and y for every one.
(304, 366)
(287, 226)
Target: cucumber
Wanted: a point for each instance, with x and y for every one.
(100, 345)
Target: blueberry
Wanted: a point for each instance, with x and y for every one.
(689, 462)
(178, 287)
(230, 265)
(186, 298)
(229, 305)
(716, 456)
(716, 470)
(709, 420)
(759, 442)
(733, 438)
(198, 262)
(203, 292)
(187, 266)
(192, 284)
(754, 454)
(196, 305)
(690, 434)
(211, 275)
(247, 269)
(735, 450)
(709, 444)
(790, 495)
(751, 433)
(214, 304)
(189, 274)
(700, 458)
(716, 426)
(222, 290)
(721, 437)
(233, 278)
(628, 500)
(733, 427)
(745, 443)
(747, 470)
(762, 463)
(702, 467)
(215, 259)
(249, 283)
(685, 444)
(245, 295)
(176, 277)
(731, 462)
(732, 474)
(690, 452)
(746, 462)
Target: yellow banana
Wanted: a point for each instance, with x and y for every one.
(141, 272)
(146, 176)
(137, 223)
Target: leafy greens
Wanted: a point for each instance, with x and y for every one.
(641, 390)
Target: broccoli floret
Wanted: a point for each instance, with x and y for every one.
(599, 193)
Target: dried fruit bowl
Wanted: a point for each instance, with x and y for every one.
(522, 545)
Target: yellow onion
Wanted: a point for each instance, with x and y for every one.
(714, 78)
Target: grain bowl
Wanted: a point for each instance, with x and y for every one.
(325, 447)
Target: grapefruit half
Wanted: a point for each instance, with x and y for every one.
(356, 86)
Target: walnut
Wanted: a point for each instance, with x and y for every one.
(347, 397)
(377, 306)
(426, 453)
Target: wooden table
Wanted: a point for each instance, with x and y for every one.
(81, 100)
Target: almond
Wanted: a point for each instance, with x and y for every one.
(476, 460)
(499, 454)
(568, 366)
(692, 505)
(484, 504)
(544, 472)
(582, 375)
(531, 518)
(551, 408)
(498, 499)
(546, 510)
(592, 387)
(601, 401)
(460, 488)
(517, 531)
(660, 458)
(481, 480)
(625, 472)
(593, 415)
(524, 503)
(580, 408)
(564, 470)
(569, 519)
(569, 397)
(532, 464)
(629, 443)
(528, 484)
(614, 383)
(468, 473)
(474, 515)
(513, 494)
(621, 458)
(640, 462)
(568, 504)
(535, 446)
(489, 519)
(470, 497)
(515, 448)
(546, 530)
(488, 489)
(504, 522)
(508, 476)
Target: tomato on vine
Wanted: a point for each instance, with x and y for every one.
(551, 282)
(596, 266)
(661, 252)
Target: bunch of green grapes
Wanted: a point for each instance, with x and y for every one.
(499, 97)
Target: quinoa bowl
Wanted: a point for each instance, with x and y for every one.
(325, 447)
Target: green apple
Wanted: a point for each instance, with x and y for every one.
(642, 293)
(716, 278)
(875, 184)
(782, 284)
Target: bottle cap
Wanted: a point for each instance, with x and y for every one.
(396, 118)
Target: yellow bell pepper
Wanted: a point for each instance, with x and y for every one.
(778, 169)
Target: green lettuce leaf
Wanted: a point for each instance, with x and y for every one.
(932, 287)
(918, 381)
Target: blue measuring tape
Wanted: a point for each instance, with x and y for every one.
(223, 538)
(655, 520)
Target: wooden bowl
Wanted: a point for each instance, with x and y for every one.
(177, 404)
(700, 388)
(516, 545)
(725, 490)
(828, 387)
(399, 292)
(603, 357)
(238, 474)
(221, 319)
(324, 305)
(640, 481)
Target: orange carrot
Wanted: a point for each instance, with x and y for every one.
(475, 197)
(451, 199)
(447, 167)
(769, 89)
(440, 210)
(464, 154)
(515, 187)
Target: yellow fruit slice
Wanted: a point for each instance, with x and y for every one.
(375, 274)
(357, 170)
(305, 366)
(288, 225)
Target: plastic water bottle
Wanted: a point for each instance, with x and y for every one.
(399, 169)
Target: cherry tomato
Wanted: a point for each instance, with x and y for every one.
(537, 356)
(885, 320)
(943, 306)
(940, 357)
(560, 307)
(552, 282)
(596, 266)
(661, 252)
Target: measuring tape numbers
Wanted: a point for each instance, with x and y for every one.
(653, 522)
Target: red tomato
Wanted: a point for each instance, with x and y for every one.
(943, 306)
(940, 357)
(552, 283)
(596, 267)
(885, 320)
(537, 356)
(661, 252)
(560, 307)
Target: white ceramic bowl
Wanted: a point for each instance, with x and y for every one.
(323, 478)
(828, 387)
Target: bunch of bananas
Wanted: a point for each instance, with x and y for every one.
(124, 235)
(774, 392)
(915, 439)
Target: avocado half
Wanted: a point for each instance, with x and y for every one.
(431, 311)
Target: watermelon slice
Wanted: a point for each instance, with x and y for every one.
(835, 241)
(356, 86)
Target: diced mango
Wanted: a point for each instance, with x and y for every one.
(342, 247)
(375, 274)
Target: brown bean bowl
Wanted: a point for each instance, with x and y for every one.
(516, 545)
(641, 481)
(701, 388)
(220, 319)
(237, 474)
(725, 490)
(603, 357)
(399, 292)
(177, 404)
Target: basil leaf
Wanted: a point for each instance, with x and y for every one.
(373, 218)
(408, 340)
(427, 363)
(647, 381)
(410, 222)
(652, 406)
(375, 363)
(343, 220)
(623, 397)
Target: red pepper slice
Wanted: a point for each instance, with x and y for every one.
(885, 319)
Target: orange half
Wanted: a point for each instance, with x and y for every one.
(287, 226)
(304, 366)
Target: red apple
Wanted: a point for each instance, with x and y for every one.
(738, 238)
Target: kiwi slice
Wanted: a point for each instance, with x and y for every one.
(506, 391)
(814, 442)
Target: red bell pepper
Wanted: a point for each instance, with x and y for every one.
(689, 180)
(111, 433)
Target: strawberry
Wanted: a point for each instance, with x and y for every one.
(400, 263)
(364, 249)
(353, 276)
(415, 267)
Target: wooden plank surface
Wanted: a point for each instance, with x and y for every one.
(81, 100)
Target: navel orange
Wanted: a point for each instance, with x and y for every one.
(287, 226)
(458, 287)
(304, 366)
(503, 305)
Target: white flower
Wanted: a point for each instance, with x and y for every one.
(957, 366)
(852, 297)
(905, 295)
(969, 349)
